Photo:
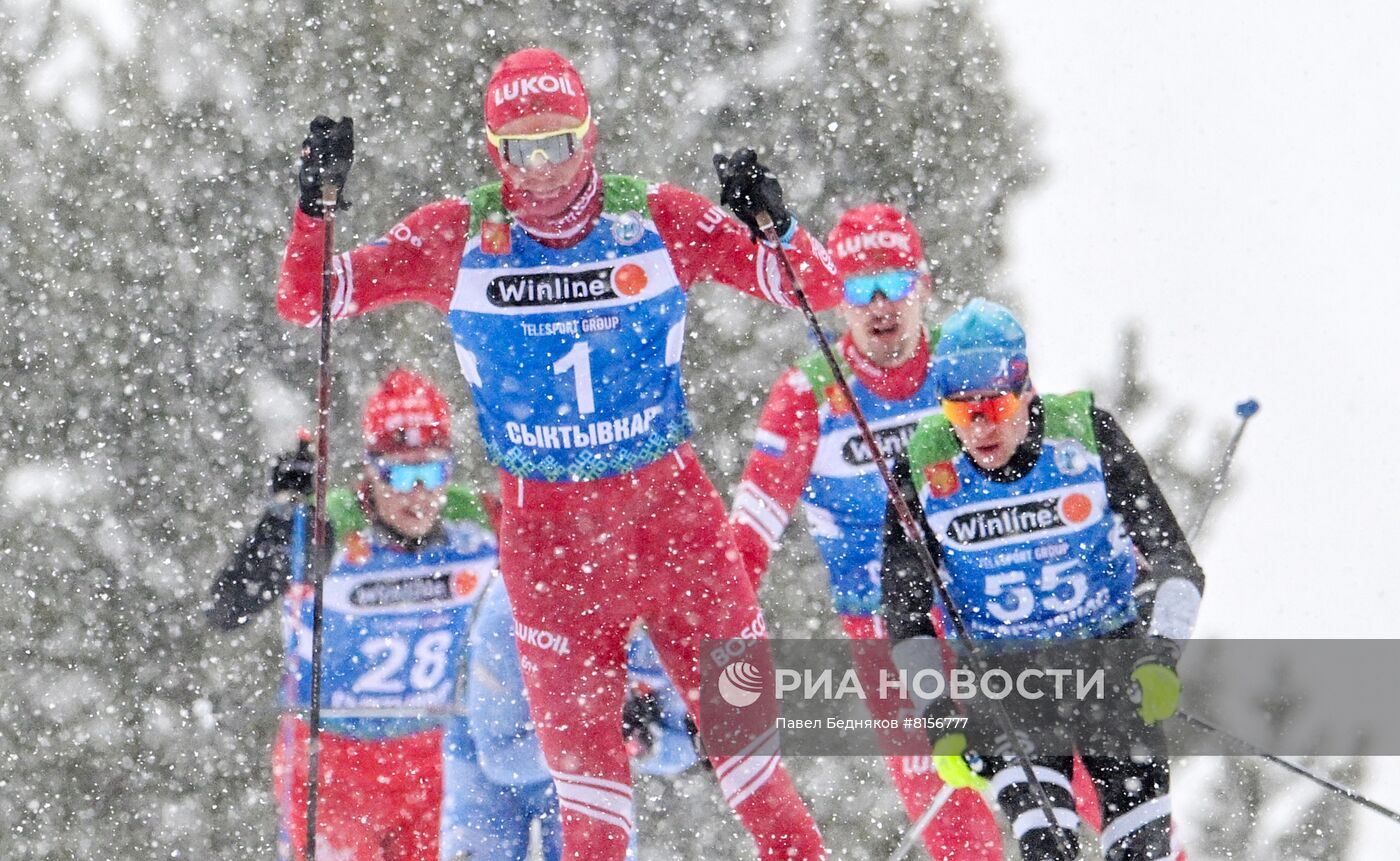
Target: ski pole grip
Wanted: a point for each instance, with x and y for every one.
(764, 221)
(329, 194)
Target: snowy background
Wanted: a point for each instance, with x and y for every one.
(1224, 174)
(1212, 177)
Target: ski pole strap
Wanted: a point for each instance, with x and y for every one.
(911, 529)
(1324, 782)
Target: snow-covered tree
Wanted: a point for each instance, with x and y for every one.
(147, 181)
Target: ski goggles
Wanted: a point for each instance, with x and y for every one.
(529, 150)
(403, 477)
(894, 285)
(964, 409)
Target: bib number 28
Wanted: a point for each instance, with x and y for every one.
(395, 666)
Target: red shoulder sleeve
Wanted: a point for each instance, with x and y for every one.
(416, 261)
(784, 447)
(708, 245)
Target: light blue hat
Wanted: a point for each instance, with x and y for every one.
(980, 347)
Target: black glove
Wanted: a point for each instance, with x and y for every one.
(748, 188)
(294, 470)
(641, 720)
(325, 158)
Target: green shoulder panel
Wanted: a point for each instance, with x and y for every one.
(463, 503)
(347, 517)
(344, 512)
(933, 442)
(624, 194)
(1071, 416)
(485, 202)
(818, 373)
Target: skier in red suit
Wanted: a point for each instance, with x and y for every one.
(566, 293)
(808, 447)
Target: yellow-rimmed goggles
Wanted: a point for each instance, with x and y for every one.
(540, 148)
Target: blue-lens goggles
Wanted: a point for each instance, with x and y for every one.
(895, 285)
(403, 477)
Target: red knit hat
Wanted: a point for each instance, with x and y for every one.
(406, 413)
(534, 81)
(873, 237)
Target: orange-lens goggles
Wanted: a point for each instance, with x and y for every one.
(993, 408)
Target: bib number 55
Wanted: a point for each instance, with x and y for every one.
(1012, 597)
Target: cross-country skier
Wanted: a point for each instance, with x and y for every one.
(492, 784)
(413, 556)
(998, 450)
(808, 447)
(496, 777)
(566, 293)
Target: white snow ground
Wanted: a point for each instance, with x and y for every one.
(1224, 173)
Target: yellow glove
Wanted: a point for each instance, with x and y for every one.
(952, 767)
(1158, 692)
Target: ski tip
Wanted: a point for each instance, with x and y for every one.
(1245, 409)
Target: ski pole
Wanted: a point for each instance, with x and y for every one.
(321, 528)
(1246, 410)
(911, 529)
(1145, 592)
(917, 829)
(1324, 782)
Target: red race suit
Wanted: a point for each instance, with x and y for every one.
(590, 545)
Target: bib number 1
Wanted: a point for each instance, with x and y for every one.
(576, 360)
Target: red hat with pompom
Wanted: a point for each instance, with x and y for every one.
(874, 237)
(406, 412)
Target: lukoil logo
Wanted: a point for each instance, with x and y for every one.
(533, 86)
(547, 641)
(866, 241)
(741, 684)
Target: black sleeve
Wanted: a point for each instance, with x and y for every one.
(1153, 528)
(907, 592)
(257, 572)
